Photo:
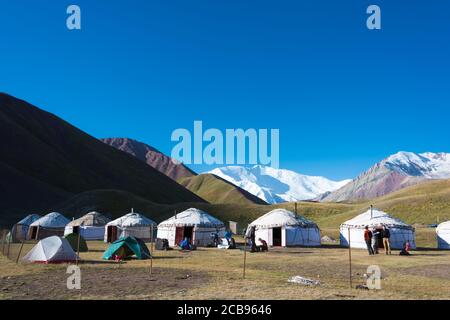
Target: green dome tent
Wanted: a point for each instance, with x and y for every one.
(72, 238)
(126, 248)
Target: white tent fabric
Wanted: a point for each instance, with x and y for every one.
(51, 220)
(400, 231)
(91, 226)
(132, 224)
(443, 235)
(51, 250)
(20, 229)
(203, 226)
(51, 224)
(295, 230)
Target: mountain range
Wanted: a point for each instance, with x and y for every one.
(48, 164)
(396, 172)
(277, 185)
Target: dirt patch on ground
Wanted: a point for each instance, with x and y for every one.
(441, 271)
(114, 283)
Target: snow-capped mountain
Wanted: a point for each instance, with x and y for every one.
(398, 171)
(277, 185)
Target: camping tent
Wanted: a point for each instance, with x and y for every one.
(131, 224)
(91, 226)
(443, 235)
(284, 228)
(20, 229)
(126, 248)
(400, 231)
(192, 223)
(50, 225)
(72, 238)
(51, 250)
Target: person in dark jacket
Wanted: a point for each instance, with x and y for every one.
(251, 235)
(263, 247)
(368, 240)
(406, 248)
(375, 237)
(386, 242)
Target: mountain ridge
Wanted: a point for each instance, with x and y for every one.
(151, 156)
(277, 185)
(45, 159)
(397, 171)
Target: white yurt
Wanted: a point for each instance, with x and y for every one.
(400, 231)
(283, 228)
(192, 223)
(52, 224)
(53, 249)
(131, 224)
(443, 235)
(20, 229)
(91, 226)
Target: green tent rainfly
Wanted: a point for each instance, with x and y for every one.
(72, 238)
(126, 248)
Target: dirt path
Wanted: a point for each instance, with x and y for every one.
(107, 283)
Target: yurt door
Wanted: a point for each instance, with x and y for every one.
(112, 234)
(34, 233)
(276, 237)
(179, 232)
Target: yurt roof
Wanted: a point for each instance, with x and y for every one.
(29, 219)
(443, 226)
(374, 218)
(281, 217)
(92, 219)
(51, 220)
(193, 217)
(132, 219)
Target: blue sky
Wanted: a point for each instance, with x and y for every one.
(342, 96)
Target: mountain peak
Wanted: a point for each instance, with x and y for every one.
(152, 156)
(397, 171)
(277, 185)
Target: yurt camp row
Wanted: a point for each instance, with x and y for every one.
(278, 227)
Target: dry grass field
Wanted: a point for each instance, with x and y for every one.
(210, 273)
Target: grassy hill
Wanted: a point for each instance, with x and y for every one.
(44, 160)
(217, 190)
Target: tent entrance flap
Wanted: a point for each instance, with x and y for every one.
(183, 232)
(179, 235)
(112, 234)
(276, 237)
(34, 232)
(188, 233)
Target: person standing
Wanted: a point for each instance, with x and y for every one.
(251, 235)
(368, 240)
(386, 240)
(375, 238)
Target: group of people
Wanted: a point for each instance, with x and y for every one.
(372, 239)
(228, 243)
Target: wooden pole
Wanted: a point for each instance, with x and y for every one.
(350, 258)
(78, 246)
(151, 249)
(20, 251)
(9, 246)
(3, 242)
(245, 258)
